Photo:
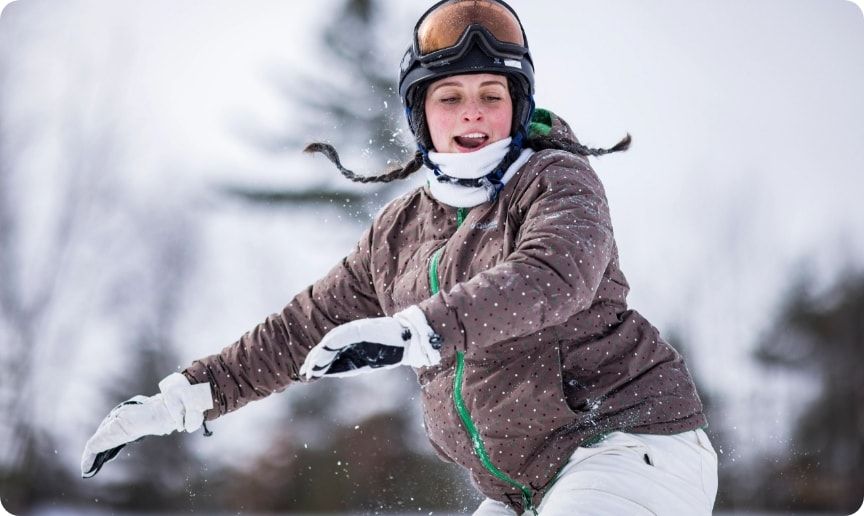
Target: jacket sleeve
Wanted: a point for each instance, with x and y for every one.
(563, 247)
(267, 358)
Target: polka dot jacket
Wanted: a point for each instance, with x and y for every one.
(541, 353)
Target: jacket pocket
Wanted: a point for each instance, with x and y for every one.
(574, 391)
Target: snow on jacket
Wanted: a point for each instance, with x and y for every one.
(541, 353)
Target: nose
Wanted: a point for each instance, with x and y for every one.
(472, 111)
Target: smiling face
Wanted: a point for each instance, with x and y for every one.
(468, 112)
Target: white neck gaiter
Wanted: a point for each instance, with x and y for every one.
(471, 165)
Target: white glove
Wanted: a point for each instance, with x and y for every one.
(365, 345)
(179, 406)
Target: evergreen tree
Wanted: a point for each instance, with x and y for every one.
(353, 103)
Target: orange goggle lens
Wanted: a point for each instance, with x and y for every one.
(443, 27)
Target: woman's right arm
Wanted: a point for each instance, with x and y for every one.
(267, 358)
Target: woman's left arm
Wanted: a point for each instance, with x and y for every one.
(564, 245)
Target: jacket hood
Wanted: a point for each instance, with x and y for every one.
(546, 125)
(549, 131)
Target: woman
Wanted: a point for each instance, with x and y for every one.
(499, 283)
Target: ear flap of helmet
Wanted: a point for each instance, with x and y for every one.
(523, 105)
(417, 117)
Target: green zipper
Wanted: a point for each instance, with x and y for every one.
(433, 271)
(476, 441)
(460, 216)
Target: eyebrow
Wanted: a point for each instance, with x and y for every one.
(455, 83)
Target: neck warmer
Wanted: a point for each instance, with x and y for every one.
(471, 167)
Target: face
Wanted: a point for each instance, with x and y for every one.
(468, 112)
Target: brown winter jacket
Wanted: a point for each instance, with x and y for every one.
(541, 353)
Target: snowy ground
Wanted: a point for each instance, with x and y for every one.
(61, 511)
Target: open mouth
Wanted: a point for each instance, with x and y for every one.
(471, 140)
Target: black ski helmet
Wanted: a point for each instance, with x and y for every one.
(467, 36)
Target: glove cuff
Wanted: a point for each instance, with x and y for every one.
(186, 402)
(424, 343)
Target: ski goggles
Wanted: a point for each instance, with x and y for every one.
(445, 32)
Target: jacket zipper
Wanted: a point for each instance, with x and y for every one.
(476, 440)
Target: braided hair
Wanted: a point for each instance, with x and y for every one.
(539, 143)
(416, 163)
(401, 172)
(417, 118)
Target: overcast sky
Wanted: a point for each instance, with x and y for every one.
(746, 166)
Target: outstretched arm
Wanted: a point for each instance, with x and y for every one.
(268, 358)
(264, 360)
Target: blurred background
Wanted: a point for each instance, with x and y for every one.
(155, 205)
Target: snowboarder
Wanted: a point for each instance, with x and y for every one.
(499, 283)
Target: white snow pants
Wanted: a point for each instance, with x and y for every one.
(631, 474)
